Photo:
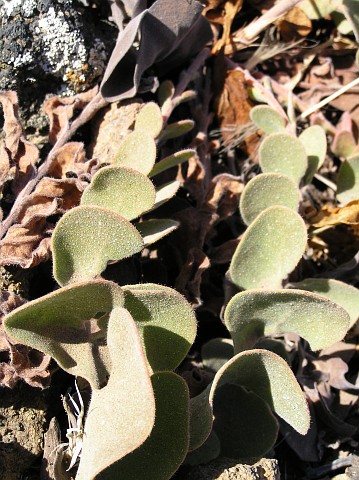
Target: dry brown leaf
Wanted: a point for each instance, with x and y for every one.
(60, 110)
(294, 25)
(28, 242)
(333, 371)
(349, 215)
(24, 363)
(16, 153)
(232, 106)
(190, 277)
(223, 194)
(222, 12)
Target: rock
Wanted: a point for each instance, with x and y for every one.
(52, 46)
(225, 469)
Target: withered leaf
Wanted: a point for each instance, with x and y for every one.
(223, 12)
(232, 106)
(165, 39)
(294, 25)
(189, 279)
(16, 152)
(349, 215)
(60, 110)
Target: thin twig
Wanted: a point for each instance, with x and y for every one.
(185, 78)
(327, 100)
(88, 112)
(257, 26)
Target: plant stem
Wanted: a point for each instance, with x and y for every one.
(88, 112)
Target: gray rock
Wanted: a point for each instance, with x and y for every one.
(52, 46)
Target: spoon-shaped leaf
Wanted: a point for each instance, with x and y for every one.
(165, 449)
(253, 314)
(176, 129)
(171, 161)
(123, 190)
(165, 321)
(237, 413)
(149, 119)
(155, 229)
(283, 153)
(63, 324)
(268, 376)
(86, 238)
(348, 180)
(266, 190)
(165, 193)
(138, 151)
(269, 250)
(267, 119)
(121, 415)
(341, 293)
(315, 144)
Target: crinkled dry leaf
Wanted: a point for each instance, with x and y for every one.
(190, 277)
(349, 214)
(21, 154)
(28, 242)
(294, 25)
(223, 12)
(60, 110)
(233, 106)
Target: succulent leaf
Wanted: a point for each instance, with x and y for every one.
(176, 129)
(253, 314)
(269, 250)
(266, 375)
(165, 449)
(86, 238)
(62, 324)
(208, 451)
(123, 190)
(267, 119)
(235, 412)
(165, 193)
(341, 293)
(283, 153)
(266, 190)
(149, 119)
(165, 92)
(348, 180)
(138, 151)
(121, 415)
(153, 230)
(165, 321)
(315, 144)
(172, 161)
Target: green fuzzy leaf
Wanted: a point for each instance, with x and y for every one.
(165, 193)
(237, 414)
(266, 190)
(177, 129)
(86, 238)
(210, 450)
(269, 250)
(123, 190)
(165, 449)
(341, 293)
(348, 180)
(165, 92)
(165, 321)
(253, 314)
(149, 119)
(172, 161)
(216, 353)
(319, 8)
(121, 415)
(153, 230)
(351, 12)
(283, 153)
(263, 373)
(267, 119)
(343, 144)
(315, 144)
(63, 324)
(268, 376)
(138, 151)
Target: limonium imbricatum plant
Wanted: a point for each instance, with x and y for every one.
(126, 341)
